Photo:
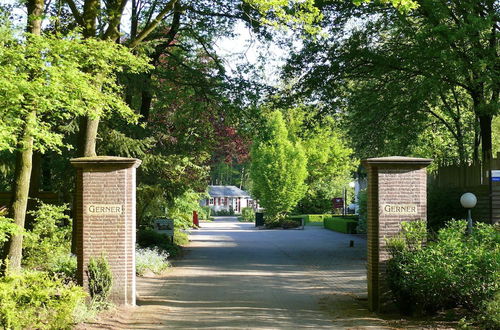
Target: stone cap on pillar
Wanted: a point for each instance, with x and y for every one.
(105, 162)
(396, 161)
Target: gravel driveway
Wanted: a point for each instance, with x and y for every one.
(234, 276)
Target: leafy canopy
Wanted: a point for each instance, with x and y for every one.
(58, 78)
(279, 167)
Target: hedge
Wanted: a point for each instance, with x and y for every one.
(344, 225)
(318, 218)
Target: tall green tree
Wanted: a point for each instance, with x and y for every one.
(278, 169)
(434, 69)
(43, 83)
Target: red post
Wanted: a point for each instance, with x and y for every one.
(196, 223)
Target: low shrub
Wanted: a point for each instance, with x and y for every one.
(299, 218)
(290, 223)
(224, 213)
(49, 240)
(490, 314)
(317, 203)
(205, 213)
(247, 214)
(149, 238)
(150, 259)
(7, 227)
(345, 225)
(64, 266)
(36, 300)
(456, 269)
(100, 280)
(315, 218)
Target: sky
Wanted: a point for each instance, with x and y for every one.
(246, 47)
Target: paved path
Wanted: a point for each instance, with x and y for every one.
(236, 277)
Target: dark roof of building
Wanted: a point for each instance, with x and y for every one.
(226, 191)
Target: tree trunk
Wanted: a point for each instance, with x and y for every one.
(486, 143)
(14, 247)
(34, 189)
(477, 140)
(146, 100)
(91, 127)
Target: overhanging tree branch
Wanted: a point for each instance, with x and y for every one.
(154, 23)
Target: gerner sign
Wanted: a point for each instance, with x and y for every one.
(104, 209)
(399, 209)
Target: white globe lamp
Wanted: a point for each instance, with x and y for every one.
(468, 201)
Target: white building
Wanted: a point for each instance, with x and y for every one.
(227, 198)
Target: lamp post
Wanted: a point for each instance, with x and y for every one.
(468, 201)
(351, 185)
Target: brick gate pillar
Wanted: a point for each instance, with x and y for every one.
(397, 191)
(105, 220)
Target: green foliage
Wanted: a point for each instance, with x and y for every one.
(329, 159)
(181, 210)
(489, 316)
(247, 214)
(291, 13)
(224, 213)
(35, 300)
(205, 213)
(279, 168)
(342, 225)
(443, 205)
(313, 202)
(363, 212)
(148, 238)
(58, 78)
(100, 280)
(381, 71)
(454, 270)
(7, 228)
(50, 238)
(315, 218)
(289, 223)
(64, 267)
(150, 260)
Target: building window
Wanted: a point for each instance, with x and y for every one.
(211, 201)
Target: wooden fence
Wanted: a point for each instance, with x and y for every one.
(473, 178)
(459, 176)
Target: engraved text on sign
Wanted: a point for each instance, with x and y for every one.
(104, 209)
(399, 209)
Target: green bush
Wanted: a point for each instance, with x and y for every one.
(443, 205)
(36, 300)
(345, 225)
(205, 213)
(314, 218)
(299, 218)
(224, 213)
(7, 227)
(490, 314)
(247, 214)
(290, 223)
(49, 239)
(314, 203)
(64, 266)
(149, 238)
(454, 270)
(100, 280)
(150, 259)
